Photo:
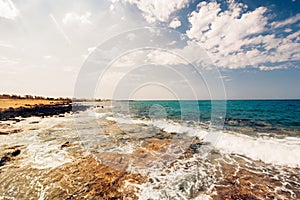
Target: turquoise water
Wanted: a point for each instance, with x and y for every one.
(281, 117)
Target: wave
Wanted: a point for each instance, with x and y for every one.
(285, 151)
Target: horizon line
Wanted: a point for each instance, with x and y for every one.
(102, 98)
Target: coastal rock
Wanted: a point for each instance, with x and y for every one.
(8, 132)
(66, 144)
(84, 178)
(157, 144)
(8, 154)
(247, 181)
(40, 110)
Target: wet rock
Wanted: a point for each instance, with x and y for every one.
(157, 144)
(34, 122)
(3, 160)
(66, 144)
(254, 181)
(163, 135)
(40, 110)
(8, 132)
(84, 178)
(16, 152)
(195, 146)
(109, 123)
(8, 153)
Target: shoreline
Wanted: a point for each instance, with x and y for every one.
(28, 106)
(109, 175)
(36, 110)
(137, 161)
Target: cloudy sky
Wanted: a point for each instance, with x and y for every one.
(191, 49)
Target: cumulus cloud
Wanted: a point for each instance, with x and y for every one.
(158, 10)
(175, 23)
(74, 17)
(8, 9)
(234, 38)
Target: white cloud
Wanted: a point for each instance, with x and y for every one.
(151, 56)
(8, 9)
(269, 68)
(39, 31)
(175, 23)
(72, 17)
(286, 22)
(235, 39)
(295, 35)
(287, 30)
(164, 58)
(158, 10)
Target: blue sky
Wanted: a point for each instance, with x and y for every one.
(251, 47)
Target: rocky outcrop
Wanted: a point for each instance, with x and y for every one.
(40, 110)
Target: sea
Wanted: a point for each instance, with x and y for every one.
(274, 118)
(187, 149)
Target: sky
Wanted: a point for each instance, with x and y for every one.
(159, 49)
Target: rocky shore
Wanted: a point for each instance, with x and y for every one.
(45, 158)
(84, 178)
(36, 110)
(40, 110)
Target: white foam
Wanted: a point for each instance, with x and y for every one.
(165, 125)
(128, 121)
(173, 127)
(43, 156)
(277, 151)
(167, 180)
(101, 115)
(42, 146)
(270, 150)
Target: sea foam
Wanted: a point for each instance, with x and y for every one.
(284, 151)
